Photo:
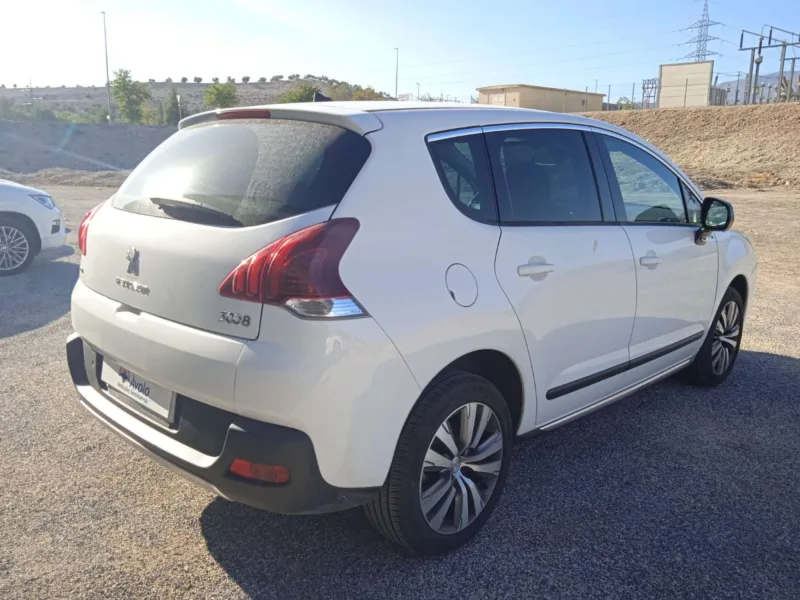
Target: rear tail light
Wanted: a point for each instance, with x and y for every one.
(259, 472)
(300, 272)
(83, 228)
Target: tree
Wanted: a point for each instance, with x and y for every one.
(221, 95)
(309, 77)
(246, 79)
(624, 103)
(168, 80)
(368, 93)
(171, 112)
(151, 81)
(129, 95)
(184, 79)
(294, 76)
(231, 79)
(302, 92)
(262, 80)
(198, 79)
(276, 78)
(215, 80)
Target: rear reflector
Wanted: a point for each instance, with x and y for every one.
(300, 272)
(266, 473)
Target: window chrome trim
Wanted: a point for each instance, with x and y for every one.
(453, 133)
(681, 178)
(529, 126)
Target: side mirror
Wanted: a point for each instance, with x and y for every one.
(716, 215)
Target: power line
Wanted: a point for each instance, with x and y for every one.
(473, 59)
(563, 60)
(702, 38)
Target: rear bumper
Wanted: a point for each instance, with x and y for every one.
(217, 438)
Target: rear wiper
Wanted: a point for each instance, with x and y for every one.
(183, 204)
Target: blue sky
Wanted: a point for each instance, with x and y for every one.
(448, 47)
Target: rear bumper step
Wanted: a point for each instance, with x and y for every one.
(204, 445)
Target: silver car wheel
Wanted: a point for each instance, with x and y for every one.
(14, 248)
(726, 338)
(461, 468)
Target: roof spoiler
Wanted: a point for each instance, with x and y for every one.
(355, 120)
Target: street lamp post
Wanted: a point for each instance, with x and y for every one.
(396, 69)
(108, 79)
(417, 92)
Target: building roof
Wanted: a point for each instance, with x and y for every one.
(536, 87)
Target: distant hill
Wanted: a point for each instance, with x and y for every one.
(723, 146)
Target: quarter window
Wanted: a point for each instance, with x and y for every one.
(694, 207)
(543, 176)
(650, 191)
(464, 172)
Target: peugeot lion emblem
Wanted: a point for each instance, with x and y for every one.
(133, 261)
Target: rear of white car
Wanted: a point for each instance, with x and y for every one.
(313, 307)
(213, 329)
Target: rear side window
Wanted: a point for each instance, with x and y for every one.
(543, 176)
(464, 172)
(245, 173)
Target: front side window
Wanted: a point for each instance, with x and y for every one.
(650, 192)
(543, 176)
(464, 172)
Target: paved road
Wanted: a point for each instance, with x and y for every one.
(674, 492)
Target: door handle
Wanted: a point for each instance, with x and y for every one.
(651, 261)
(532, 270)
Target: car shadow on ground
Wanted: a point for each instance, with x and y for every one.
(38, 296)
(674, 491)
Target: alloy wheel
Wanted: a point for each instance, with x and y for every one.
(726, 338)
(14, 248)
(461, 468)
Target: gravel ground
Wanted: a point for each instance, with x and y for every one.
(674, 492)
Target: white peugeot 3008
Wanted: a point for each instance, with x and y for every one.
(311, 307)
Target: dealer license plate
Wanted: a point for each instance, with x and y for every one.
(155, 398)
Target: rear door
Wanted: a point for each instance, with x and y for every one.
(564, 264)
(205, 200)
(676, 278)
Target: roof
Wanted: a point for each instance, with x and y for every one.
(536, 87)
(366, 117)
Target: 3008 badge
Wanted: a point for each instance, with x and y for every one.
(234, 318)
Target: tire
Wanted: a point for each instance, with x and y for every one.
(710, 368)
(19, 234)
(477, 474)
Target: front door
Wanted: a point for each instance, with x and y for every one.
(564, 265)
(677, 278)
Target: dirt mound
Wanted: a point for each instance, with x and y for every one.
(67, 177)
(724, 146)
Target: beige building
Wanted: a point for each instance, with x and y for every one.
(541, 98)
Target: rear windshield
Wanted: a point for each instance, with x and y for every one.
(244, 173)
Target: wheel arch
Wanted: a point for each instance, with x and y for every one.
(28, 222)
(495, 366)
(740, 284)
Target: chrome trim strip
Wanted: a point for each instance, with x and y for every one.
(614, 397)
(446, 135)
(524, 126)
(129, 426)
(199, 481)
